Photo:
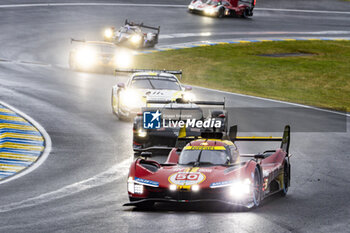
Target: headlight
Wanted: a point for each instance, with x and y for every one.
(123, 59)
(131, 98)
(190, 7)
(209, 11)
(85, 57)
(172, 187)
(134, 187)
(240, 188)
(141, 133)
(188, 96)
(108, 33)
(195, 188)
(136, 39)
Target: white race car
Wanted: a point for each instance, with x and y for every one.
(145, 85)
(131, 35)
(98, 56)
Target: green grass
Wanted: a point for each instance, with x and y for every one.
(321, 80)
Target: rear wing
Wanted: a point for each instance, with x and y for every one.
(182, 101)
(174, 72)
(142, 25)
(285, 139)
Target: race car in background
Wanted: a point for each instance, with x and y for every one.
(98, 56)
(211, 169)
(221, 8)
(144, 84)
(173, 117)
(132, 35)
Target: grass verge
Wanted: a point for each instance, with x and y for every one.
(321, 79)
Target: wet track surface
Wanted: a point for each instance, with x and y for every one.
(82, 185)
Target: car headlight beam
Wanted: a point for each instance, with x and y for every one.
(85, 57)
(172, 187)
(209, 11)
(133, 187)
(239, 189)
(136, 39)
(130, 98)
(195, 188)
(108, 33)
(141, 133)
(123, 59)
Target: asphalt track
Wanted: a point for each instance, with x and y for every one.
(82, 185)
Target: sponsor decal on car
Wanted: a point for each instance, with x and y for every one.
(146, 182)
(220, 184)
(186, 178)
(205, 148)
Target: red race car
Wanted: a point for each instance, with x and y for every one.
(221, 8)
(211, 169)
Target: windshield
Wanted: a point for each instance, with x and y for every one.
(213, 2)
(205, 157)
(157, 83)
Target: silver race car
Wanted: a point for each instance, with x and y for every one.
(145, 85)
(132, 35)
(98, 56)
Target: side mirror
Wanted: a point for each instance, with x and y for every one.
(146, 154)
(188, 88)
(121, 85)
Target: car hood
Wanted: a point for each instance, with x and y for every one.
(206, 177)
(152, 94)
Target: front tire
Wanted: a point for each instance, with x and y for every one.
(221, 13)
(116, 108)
(246, 13)
(286, 179)
(257, 191)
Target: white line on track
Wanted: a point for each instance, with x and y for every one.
(155, 5)
(44, 154)
(114, 173)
